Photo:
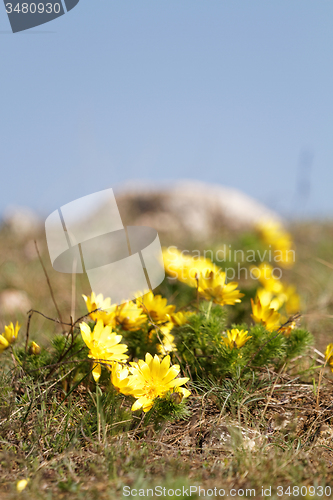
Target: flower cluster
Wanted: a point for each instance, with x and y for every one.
(132, 315)
(147, 310)
(202, 274)
(144, 380)
(274, 294)
(137, 342)
(186, 268)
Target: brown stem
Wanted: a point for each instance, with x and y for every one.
(28, 328)
(49, 284)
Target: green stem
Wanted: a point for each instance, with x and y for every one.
(98, 412)
(209, 309)
(16, 358)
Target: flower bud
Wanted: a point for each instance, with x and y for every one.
(34, 348)
(176, 398)
(21, 485)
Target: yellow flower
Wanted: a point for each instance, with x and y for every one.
(4, 344)
(120, 379)
(265, 297)
(106, 312)
(156, 307)
(286, 329)
(212, 287)
(286, 257)
(130, 316)
(168, 345)
(181, 318)
(329, 355)
(186, 268)
(167, 339)
(236, 338)
(266, 277)
(293, 300)
(96, 302)
(274, 234)
(9, 336)
(34, 348)
(265, 315)
(153, 378)
(11, 332)
(173, 261)
(21, 485)
(287, 297)
(103, 345)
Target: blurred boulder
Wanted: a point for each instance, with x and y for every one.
(12, 301)
(190, 209)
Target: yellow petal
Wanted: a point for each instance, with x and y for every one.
(178, 381)
(148, 358)
(144, 368)
(171, 374)
(155, 367)
(98, 330)
(136, 406)
(3, 343)
(86, 333)
(164, 366)
(97, 372)
(185, 392)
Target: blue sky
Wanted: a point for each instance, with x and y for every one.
(235, 92)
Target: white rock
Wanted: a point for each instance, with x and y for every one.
(12, 301)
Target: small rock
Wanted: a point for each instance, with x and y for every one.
(12, 301)
(234, 436)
